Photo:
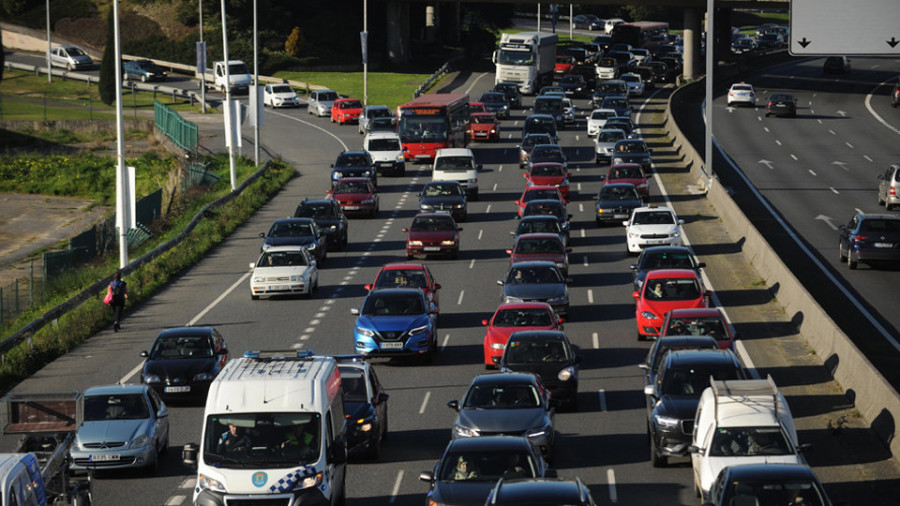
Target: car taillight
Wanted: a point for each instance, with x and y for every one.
(859, 238)
(770, 104)
(893, 191)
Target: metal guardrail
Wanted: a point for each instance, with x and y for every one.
(441, 72)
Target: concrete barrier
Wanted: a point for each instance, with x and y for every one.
(870, 393)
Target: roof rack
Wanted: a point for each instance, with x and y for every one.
(744, 388)
(272, 355)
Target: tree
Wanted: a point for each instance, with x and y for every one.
(109, 67)
(295, 43)
(2, 59)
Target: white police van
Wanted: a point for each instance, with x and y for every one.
(273, 426)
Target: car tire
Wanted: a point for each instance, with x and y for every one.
(143, 79)
(475, 195)
(655, 458)
(767, 115)
(344, 243)
(254, 297)
(851, 262)
(841, 255)
(82, 498)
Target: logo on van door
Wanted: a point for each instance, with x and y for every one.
(259, 479)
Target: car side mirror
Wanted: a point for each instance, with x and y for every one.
(509, 252)
(426, 476)
(354, 311)
(382, 397)
(597, 197)
(499, 282)
(625, 223)
(694, 449)
(568, 250)
(701, 265)
(262, 235)
(252, 265)
(644, 366)
(681, 222)
(223, 351)
(479, 167)
(636, 294)
(405, 229)
(454, 405)
(145, 354)
(484, 322)
(650, 390)
(459, 229)
(569, 216)
(633, 267)
(189, 454)
(805, 447)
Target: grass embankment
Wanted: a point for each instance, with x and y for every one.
(79, 324)
(385, 88)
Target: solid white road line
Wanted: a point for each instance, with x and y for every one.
(611, 478)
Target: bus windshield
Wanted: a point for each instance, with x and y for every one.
(422, 128)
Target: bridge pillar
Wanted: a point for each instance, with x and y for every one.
(691, 45)
(397, 31)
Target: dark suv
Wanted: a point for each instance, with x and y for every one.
(330, 219)
(673, 396)
(353, 164)
(540, 492)
(870, 238)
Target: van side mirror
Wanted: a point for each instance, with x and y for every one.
(189, 454)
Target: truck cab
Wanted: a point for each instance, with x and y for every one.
(239, 78)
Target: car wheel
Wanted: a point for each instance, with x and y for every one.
(344, 242)
(841, 254)
(882, 202)
(851, 262)
(165, 447)
(655, 458)
(124, 77)
(143, 79)
(767, 115)
(254, 297)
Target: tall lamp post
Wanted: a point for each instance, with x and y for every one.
(256, 113)
(365, 53)
(202, 71)
(49, 73)
(122, 176)
(710, 70)
(229, 121)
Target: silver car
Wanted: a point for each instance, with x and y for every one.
(373, 111)
(888, 186)
(70, 58)
(320, 102)
(605, 143)
(539, 281)
(124, 426)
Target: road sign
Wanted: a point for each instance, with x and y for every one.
(842, 27)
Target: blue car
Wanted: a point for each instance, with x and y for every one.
(396, 322)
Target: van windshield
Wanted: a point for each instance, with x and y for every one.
(454, 163)
(262, 440)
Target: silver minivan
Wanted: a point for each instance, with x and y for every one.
(70, 58)
(888, 186)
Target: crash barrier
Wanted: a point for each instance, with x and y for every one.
(94, 291)
(864, 387)
(179, 130)
(433, 78)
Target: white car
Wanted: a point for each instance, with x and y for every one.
(635, 84)
(741, 93)
(641, 54)
(386, 152)
(320, 102)
(284, 270)
(70, 57)
(568, 110)
(605, 143)
(597, 120)
(457, 164)
(652, 226)
(280, 95)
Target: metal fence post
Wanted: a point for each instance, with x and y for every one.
(31, 286)
(45, 106)
(16, 295)
(1, 305)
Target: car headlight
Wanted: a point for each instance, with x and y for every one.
(665, 422)
(648, 315)
(400, 158)
(311, 247)
(364, 331)
(566, 373)
(138, 442)
(364, 424)
(498, 346)
(418, 330)
(309, 481)
(152, 378)
(415, 243)
(336, 175)
(450, 242)
(537, 432)
(206, 483)
(259, 279)
(266, 246)
(203, 376)
(369, 201)
(458, 206)
(618, 160)
(561, 265)
(426, 207)
(461, 431)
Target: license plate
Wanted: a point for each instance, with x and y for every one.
(422, 156)
(385, 164)
(392, 346)
(884, 245)
(352, 208)
(620, 216)
(431, 248)
(174, 390)
(106, 457)
(279, 287)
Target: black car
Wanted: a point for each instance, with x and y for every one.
(743, 45)
(870, 238)
(675, 65)
(444, 197)
(770, 483)
(615, 203)
(536, 281)
(365, 405)
(529, 141)
(353, 164)
(183, 362)
(574, 85)
(538, 224)
(548, 153)
(673, 397)
(589, 22)
(617, 103)
(550, 105)
(470, 467)
(509, 404)
(511, 90)
(537, 492)
(666, 344)
(781, 104)
(495, 102)
(633, 151)
(548, 354)
(329, 217)
(297, 231)
(663, 257)
(604, 41)
(661, 72)
(550, 207)
(540, 124)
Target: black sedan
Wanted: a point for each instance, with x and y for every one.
(574, 86)
(365, 405)
(444, 197)
(297, 232)
(537, 281)
(329, 217)
(470, 467)
(632, 151)
(511, 90)
(540, 492)
(615, 202)
(548, 354)
(183, 362)
(666, 344)
(495, 102)
(769, 483)
(663, 257)
(781, 104)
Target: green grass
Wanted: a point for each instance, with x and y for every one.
(390, 89)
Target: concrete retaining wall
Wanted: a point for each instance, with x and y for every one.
(872, 396)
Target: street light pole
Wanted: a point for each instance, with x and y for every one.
(203, 70)
(229, 121)
(365, 53)
(49, 73)
(710, 70)
(256, 113)
(121, 175)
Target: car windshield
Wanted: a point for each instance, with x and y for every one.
(328, 96)
(546, 106)
(442, 190)
(737, 87)
(238, 68)
(606, 62)
(602, 114)
(628, 172)
(663, 346)
(432, 224)
(781, 97)
(384, 145)
(610, 136)
(401, 278)
(775, 491)
(502, 396)
(493, 98)
(280, 440)
(393, 304)
(541, 194)
(353, 384)
(483, 119)
(74, 51)
(712, 326)
(381, 123)
(455, 163)
(876, 226)
(672, 289)
(282, 88)
(488, 466)
(744, 441)
(667, 260)
(282, 259)
(535, 351)
(540, 125)
(291, 230)
(571, 80)
(528, 245)
(351, 104)
(630, 78)
(115, 407)
(653, 218)
(615, 103)
(547, 170)
(690, 381)
(422, 128)
(535, 139)
(514, 57)
(550, 153)
(544, 225)
(378, 112)
(619, 193)
(352, 160)
(544, 209)
(352, 187)
(523, 317)
(178, 347)
(631, 147)
(533, 275)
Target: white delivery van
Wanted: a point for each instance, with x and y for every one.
(386, 151)
(273, 431)
(239, 77)
(741, 422)
(457, 164)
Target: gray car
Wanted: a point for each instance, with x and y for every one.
(70, 58)
(373, 111)
(320, 102)
(538, 281)
(888, 186)
(507, 403)
(605, 142)
(124, 426)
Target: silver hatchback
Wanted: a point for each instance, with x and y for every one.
(888, 186)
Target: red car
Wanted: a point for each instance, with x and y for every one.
(432, 234)
(538, 193)
(663, 291)
(549, 174)
(541, 246)
(700, 322)
(484, 126)
(629, 173)
(564, 65)
(346, 110)
(407, 275)
(356, 195)
(512, 317)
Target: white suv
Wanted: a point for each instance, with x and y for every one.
(457, 164)
(652, 226)
(386, 152)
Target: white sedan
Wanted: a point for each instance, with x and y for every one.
(597, 120)
(280, 95)
(635, 84)
(652, 226)
(284, 270)
(741, 93)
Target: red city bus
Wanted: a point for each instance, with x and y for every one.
(432, 122)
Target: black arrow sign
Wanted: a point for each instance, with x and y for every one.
(803, 42)
(893, 42)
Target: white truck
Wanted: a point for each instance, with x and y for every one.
(238, 75)
(527, 59)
